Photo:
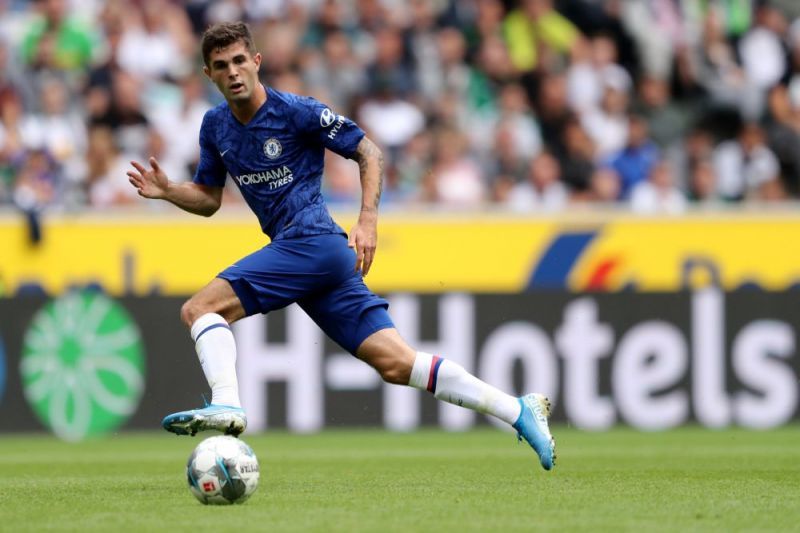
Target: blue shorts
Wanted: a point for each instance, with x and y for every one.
(318, 273)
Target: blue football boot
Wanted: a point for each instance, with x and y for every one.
(229, 420)
(532, 426)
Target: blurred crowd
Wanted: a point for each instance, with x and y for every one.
(526, 105)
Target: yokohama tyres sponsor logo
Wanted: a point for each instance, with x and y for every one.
(275, 177)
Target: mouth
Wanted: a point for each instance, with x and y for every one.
(236, 87)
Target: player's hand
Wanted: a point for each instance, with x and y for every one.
(364, 238)
(150, 183)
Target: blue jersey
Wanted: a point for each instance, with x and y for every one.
(276, 160)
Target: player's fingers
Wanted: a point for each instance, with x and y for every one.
(135, 179)
(154, 164)
(138, 167)
(360, 258)
(351, 239)
(369, 255)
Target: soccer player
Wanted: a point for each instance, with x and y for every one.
(272, 145)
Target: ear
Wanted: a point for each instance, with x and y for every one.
(207, 72)
(257, 59)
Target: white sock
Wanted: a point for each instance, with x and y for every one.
(450, 382)
(216, 349)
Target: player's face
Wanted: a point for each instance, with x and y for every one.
(234, 71)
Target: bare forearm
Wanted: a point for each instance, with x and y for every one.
(194, 198)
(370, 168)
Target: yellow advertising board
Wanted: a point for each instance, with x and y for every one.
(177, 254)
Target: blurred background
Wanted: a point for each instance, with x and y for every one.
(524, 105)
(592, 198)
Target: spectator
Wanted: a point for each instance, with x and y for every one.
(658, 193)
(607, 125)
(635, 161)
(515, 117)
(404, 184)
(57, 128)
(452, 74)
(593, 62)
(12, 149)
(455, 179)
(659, 30)
(155, 41)
(184, 113)
(746, 167)
(543, 190)
(391, 120)
(390, 69)
(667, 119)
(762, 50)
(124, 115)
(702, 184)
(106, 182)
(782, 128)
(56, 41)
(38, 181)
(604, 186)
(335, 73)
(719, 73)
(493, 70)
(578, 159)
(538, 36)
(552, 111)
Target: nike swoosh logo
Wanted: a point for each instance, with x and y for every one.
(222, 154)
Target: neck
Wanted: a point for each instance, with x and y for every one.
(246, 110)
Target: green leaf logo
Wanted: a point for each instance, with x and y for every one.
(82, 365)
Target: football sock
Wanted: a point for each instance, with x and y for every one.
(216, 349)
(450, 382)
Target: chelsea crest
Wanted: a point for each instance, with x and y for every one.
(272, 148)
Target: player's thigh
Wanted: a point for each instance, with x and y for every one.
(348, 312)
(289, 270)
(387, 352)
(216, 297)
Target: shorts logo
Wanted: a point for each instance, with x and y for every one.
(272, 148)
(326, 118)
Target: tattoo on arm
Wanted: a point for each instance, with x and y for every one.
(366, 152)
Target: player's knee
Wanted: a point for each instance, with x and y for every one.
(395, 371)
(190, 312)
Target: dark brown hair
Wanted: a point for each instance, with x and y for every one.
(225, 34)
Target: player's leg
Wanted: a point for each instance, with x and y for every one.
(268, 279)
(398, 363)
(208, 314)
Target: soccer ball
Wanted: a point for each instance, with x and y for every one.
(222, 470)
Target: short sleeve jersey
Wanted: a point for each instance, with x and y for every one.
(277, 159)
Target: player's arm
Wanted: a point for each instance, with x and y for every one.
(195, 198)
(364, 235)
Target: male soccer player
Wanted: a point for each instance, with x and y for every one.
(272, 144)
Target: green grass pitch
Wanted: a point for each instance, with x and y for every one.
(690, 479)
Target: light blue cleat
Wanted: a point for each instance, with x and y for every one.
(224, 418)
(532, 426)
